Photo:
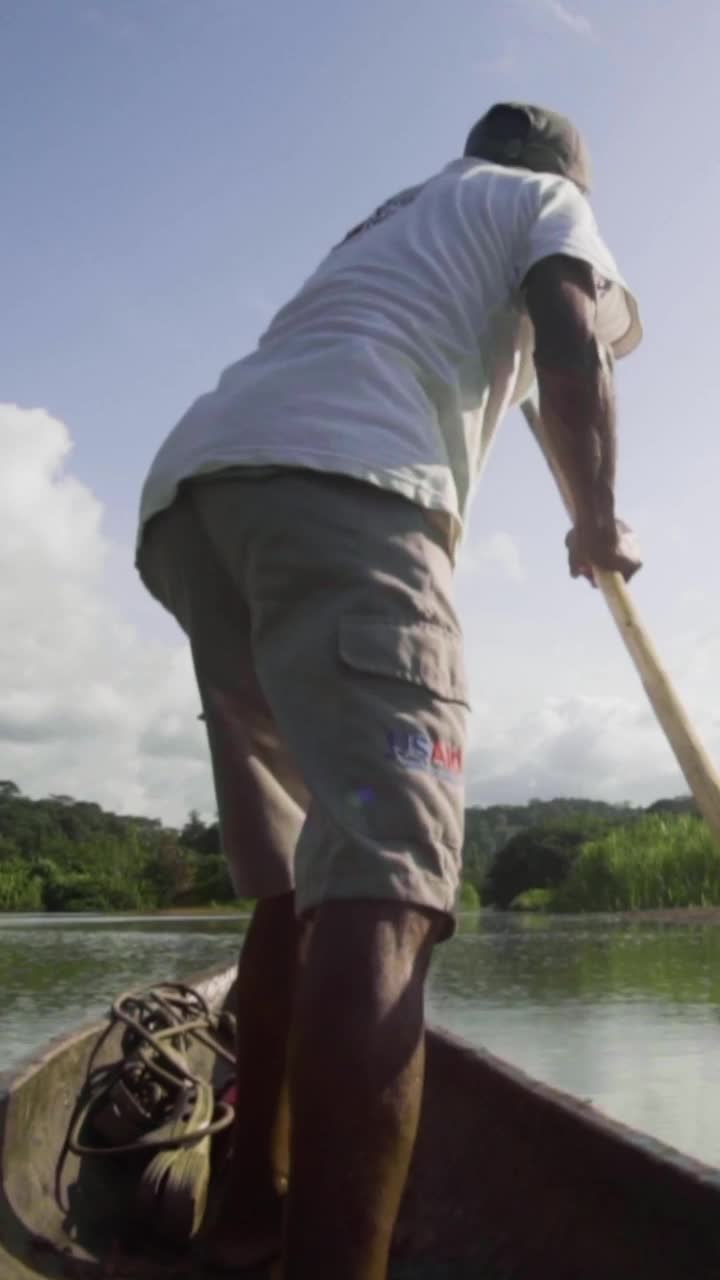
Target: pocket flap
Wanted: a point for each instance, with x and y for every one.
(419, 652)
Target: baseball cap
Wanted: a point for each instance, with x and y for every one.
(529, 137)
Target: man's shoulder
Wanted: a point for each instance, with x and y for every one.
(511, 182)
(501, 188)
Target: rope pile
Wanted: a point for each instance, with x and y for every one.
(151, 1102)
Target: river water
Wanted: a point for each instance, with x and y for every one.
(626, 1015)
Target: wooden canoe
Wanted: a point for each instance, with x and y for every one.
(511, 1180)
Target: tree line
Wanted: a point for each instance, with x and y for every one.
(63, 854)
(585, 856)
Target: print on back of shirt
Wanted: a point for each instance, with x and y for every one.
(384, 211)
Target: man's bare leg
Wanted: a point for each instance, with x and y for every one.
(356, 1073)
(249, 1227)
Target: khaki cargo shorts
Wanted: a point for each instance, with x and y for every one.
(329, 661)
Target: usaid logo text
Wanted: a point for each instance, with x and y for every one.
(417, 750)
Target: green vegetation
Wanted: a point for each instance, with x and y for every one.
(622, 860)
(468, 898)
(491, 829)
(533, 900)
(657, 862)
(61, 854)
(541, 856)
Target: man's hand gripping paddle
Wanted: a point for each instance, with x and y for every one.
(700, 773)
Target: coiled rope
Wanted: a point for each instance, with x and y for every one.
(151, 1102)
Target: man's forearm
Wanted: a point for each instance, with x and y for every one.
(577, 404)
(578, 411)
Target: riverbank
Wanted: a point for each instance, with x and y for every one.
(671, 915)
(211, 909)
(651, 915)
(540, 902)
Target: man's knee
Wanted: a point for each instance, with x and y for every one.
(278, 911)
(389, 942)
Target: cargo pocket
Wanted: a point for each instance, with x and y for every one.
(421, 653)
(403, 710)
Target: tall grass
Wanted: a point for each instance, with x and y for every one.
(468, 897)
(656, 861)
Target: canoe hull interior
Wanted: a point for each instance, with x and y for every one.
(57, 1209)
(510, 1181)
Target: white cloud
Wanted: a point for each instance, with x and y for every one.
(598, 746)
(497, 551)
(568, 17)
(87, 706)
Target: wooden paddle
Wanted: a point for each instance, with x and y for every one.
(700, 773)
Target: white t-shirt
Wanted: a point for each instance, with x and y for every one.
(396, 360)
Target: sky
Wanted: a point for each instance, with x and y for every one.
(172, 171)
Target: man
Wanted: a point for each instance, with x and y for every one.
(301, 523)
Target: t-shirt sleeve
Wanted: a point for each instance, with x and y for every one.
(565, 224)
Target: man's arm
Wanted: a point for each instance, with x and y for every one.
(577, 404)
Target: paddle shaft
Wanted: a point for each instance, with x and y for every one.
(700, 773)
